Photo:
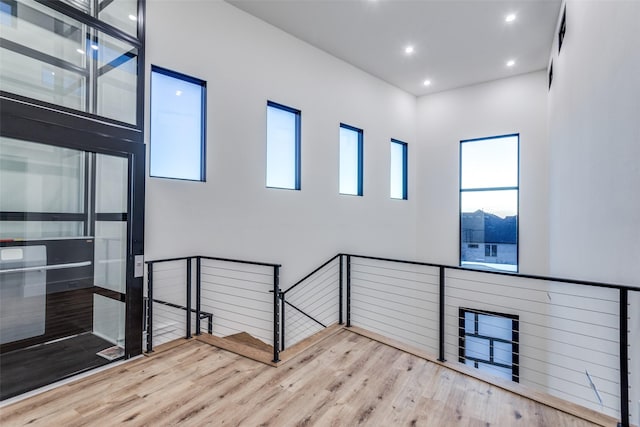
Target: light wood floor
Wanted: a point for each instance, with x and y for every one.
(344, 380)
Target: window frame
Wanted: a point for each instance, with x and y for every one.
(405, 170)
(515, 340)
(469, 190)
(360, 160)
(298, 137)
(203, 123)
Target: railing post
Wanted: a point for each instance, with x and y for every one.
(198, 295)
(441, 357)
(624, 360)
(282, 320)
(348, 290)
(188, 335)
(149, 307)
(340, 292)
(276, 314)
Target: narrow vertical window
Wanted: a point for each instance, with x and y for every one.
(398, 170)
(283, 147)
(177, 137)
(489, 342)
(489, 203)
(351, 160)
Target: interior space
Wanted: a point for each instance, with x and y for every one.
(313, 212)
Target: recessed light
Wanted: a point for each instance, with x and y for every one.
(409, 50)
(133, 17)
(178, 92)
(427, 82)
(80, 51)
(510, 18)
(511, 63)
(94, 47)
(53, 73)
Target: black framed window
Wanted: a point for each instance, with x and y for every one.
(283, 146)
(490, 342)
(489, 191)
(178, 126)
(398, 170)
(351, 160)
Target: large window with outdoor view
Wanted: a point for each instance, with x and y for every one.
(489, 202)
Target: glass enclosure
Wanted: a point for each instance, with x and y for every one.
(51, 57)
(63, 259)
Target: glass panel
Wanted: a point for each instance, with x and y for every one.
(176, 128)
(111, 184)
(40, 178)
(32, 25)
(122, 14)
(489, 163)
(490, 217)
(29, 77)
(502, 353)
(18, 230)
(495, 327)
(108, 320)
(349, 162)
(469, 322)
(111, 255)
(398, 171)
(496, 370)
(476, 347)
(83, 5)
(281, 148)
(117, 79)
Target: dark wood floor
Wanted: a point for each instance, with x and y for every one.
(345, 380)
(30, 368)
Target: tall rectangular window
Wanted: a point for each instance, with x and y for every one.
(490, 342)
(177, 148)
(398, 169)
(489, 202)
(351, 160)
(283, 147)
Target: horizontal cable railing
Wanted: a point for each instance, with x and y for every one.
(568, 338)
(565, 337)
(222, 296)
(312, 303)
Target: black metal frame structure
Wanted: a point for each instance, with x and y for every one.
(32, 120)
(514, 342)
(360, 164)
(405, 167)
(203, 121)
(469, 190)
(298, 144)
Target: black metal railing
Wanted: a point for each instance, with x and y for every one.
(213, 275)
(449, 286)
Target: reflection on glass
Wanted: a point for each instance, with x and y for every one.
(108, 319)
(350, 174)
(19, 230)
(40, 178)
(176, 127)
(111, 184)
(489, 229)
(111, 255)
(489, 163)
(122, 14)
(117, 79)
(398, 170)
(281, 148)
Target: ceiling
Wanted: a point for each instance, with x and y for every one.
(456, 43)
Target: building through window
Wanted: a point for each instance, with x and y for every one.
(489, 203)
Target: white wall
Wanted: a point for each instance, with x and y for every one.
(245, 63)
(512, 105)
(594, 136)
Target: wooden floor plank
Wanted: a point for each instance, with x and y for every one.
(344, 380)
